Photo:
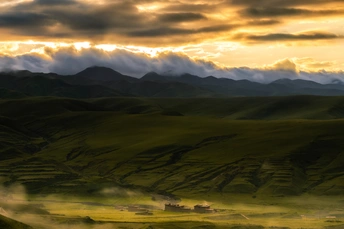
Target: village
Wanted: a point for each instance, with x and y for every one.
(206, 209)
(168, 207)
(199, 208)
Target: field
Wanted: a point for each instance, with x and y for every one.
(263, 162)
(238, 211)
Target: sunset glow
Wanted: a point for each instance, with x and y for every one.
(229, 33)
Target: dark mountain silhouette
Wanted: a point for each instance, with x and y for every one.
(228, 87)
(153, 76)
(103, 74)
(104, 82)
(38, 85)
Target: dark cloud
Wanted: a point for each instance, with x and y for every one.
(216, 28)
(40, 6)
(182, 7)
(170, 31)
(161, 31)
(25, 19)
(263, 22)
(100, 18)
(291, 37)
(114, 18)
(127, 21)
(280, 3)
(181, 17)
(70, 61)
(75, 19)
(55, 2)
(278, 12)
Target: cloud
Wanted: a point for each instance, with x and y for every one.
(263, 22)
(180, 17)
(70, 61)
(74, 19)
(289, 12)
(309, 36)
(55, 2)
(25, 19)
(189, 7)
(285, 65)
(136, 64)
(155, 22)
(281, 3)
(78, 20)
(310, 63)
(30, 62)
(172, 31)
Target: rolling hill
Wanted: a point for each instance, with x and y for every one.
(278, 146)
(7, 223)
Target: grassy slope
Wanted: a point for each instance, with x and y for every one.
(63, 145)
(273, 108)
(7, 223)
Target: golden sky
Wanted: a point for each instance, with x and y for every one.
(298, 35)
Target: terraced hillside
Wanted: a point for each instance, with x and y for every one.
(196, 147)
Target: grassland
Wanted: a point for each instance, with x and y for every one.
(7, 223)
(241, 154)
(296, 212)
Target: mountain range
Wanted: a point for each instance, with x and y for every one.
(97, 82)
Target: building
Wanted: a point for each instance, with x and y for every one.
(176, 208)
(199, 208)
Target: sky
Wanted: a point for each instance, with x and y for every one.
(242, 39)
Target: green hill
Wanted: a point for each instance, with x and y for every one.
(10, 94)
(7, 223)
(259, 146)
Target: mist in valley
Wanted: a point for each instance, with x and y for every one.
(112, 207)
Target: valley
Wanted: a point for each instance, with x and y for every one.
(235, 153)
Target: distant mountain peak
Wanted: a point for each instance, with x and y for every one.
(151, 74)
(18, 73)
(189, 75)
(283, 80)
(298, 82)
(100, 67)
(211, 77)
(103, 74)
(337, 81)
(99, 70)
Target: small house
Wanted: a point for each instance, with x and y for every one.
(199, 208)
(176, 208)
